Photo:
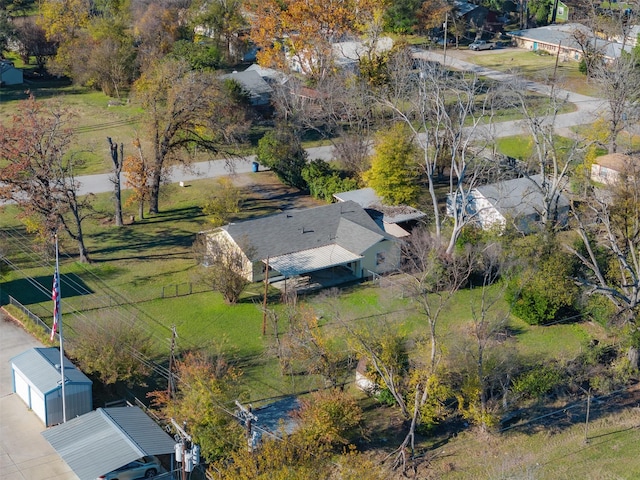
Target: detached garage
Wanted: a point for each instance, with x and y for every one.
(37, 380)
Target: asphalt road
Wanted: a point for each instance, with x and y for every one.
(587, 109)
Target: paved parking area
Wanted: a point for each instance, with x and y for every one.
(24, 453)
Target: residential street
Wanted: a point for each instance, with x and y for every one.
(586, 112)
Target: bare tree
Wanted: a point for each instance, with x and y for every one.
(552, 161)
(608, 223)
(619, 84)
(444, 111)
(117, 170)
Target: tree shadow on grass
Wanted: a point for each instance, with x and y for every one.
(38, 289)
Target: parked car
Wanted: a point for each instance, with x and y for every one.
(482, 45)
(145, 467)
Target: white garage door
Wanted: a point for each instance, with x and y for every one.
(22, 387)
(37, 405)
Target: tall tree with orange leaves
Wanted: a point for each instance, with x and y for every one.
(301, 32)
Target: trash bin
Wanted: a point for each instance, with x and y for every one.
(254, 166)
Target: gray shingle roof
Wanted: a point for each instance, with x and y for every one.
(345, 224)
(564, 34)
(39, 366)
(521, 196)
(367, 198)
(105, 439)
(252, 82)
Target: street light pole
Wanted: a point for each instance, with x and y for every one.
(444, 55)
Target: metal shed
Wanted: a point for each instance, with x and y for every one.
(37, 380)
(106, 439)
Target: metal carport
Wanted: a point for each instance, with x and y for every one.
(311, 260)
(107, 438)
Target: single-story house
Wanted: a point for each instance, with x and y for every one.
(270, 75)
(106, 439)
(345, 55)
(563, 37)
(605, 169)
(257, 88)
(397, 220)
(300, 242)
(38, 381)
(9, 74)
(519, 201)
(477, 16)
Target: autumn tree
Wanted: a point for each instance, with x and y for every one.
(138, 174)
(207, 386)
(394, 173)
(111, 348)
(156, 27)
(311, 348)
(37, 170)
(304, 31)
(64, 22)
(224, 203)
(186, 109)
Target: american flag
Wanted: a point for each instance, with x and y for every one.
(55, 296)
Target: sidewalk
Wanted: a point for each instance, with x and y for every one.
(24, 453)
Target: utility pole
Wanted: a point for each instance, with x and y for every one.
(247, 416)
(586, 423)
(264, 300)
(186, 452)
(444, 55)
(171, 388)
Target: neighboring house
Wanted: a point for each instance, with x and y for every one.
(257, 88)
(397, 220)
(301, 242)
(519, 201)
(562, 12)
(270, 75)
(477, 16)
(9, 74)
(607, 168)
(345, 55)
(563, 38)
(38, 381)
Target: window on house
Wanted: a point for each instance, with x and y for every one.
(380, 258)
(560, 10)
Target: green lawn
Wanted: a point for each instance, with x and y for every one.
(539, 67)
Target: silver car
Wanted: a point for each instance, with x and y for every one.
(145, 467)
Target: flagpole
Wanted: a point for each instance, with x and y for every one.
(58, 320)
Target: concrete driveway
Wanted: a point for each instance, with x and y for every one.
(24, 453)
